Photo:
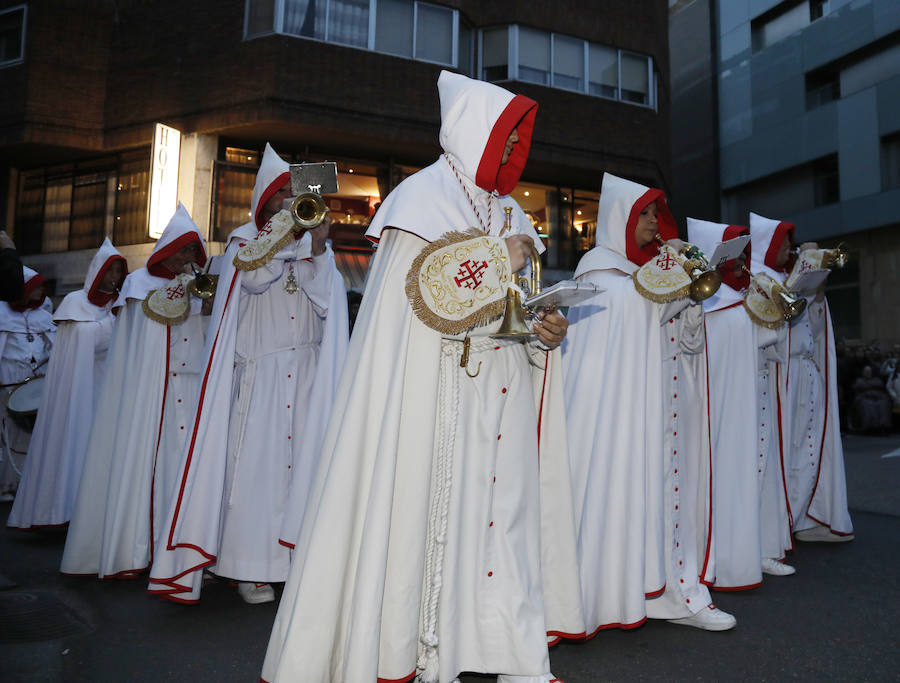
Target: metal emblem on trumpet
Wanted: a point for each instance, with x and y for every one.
(675, 274)
(769, 303)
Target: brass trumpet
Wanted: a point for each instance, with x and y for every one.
(513, 325)
(835, 258)
(203, 286)
(705, 281)
(790, 305)
(308, 211)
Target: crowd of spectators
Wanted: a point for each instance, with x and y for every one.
(868, 387)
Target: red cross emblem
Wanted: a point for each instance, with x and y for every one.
(805, 266)
(264, 230)
(175, 292)
(665, 261)
(470, 274)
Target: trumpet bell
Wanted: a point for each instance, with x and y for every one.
(203, 286)
(513, 325)
(704, 283)
(308, 210)
(791, 307)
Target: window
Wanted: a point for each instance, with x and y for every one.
(818, 9)
(872, 68)
(74, 206)
(779, 23)
(466, 56)
(495, 54)
(534, 56)
(822, 86)
(12, 35)
(603, 66)
(890, 162)
(406, 28)
(568, 63)
(635, 78)
(826, 180)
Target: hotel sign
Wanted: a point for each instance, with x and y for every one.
(163, 177)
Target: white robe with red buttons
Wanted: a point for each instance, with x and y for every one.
(140, 421)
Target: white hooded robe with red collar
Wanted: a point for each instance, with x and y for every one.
(55, 459)
(139, 423)
(614, 411)
(271, 367)
(26, 337)
(370, 595)
(775, 421)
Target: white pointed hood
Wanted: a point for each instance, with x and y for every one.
(476, 120)
(621, 203)
(179, 232)
(705, 235)
(88, 303)
(35, 319)
(273, 173)
(767, 234)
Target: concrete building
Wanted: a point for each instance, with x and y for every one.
(795, 105)
(87, 82)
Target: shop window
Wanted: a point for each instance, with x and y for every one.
(132, 198)
(12, 35)
(245, 157)
(233, 183)
(28, 228)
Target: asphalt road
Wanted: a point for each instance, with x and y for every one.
(836, 619)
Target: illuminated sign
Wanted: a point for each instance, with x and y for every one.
(163, 177)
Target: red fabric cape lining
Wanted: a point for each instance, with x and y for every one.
(727, 269)
(491, 175)
(95, 296)
(782, 230)
(665, 227)
(154, 263)
(269, 192)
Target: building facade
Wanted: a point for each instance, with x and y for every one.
(99, 92)
(803, 98)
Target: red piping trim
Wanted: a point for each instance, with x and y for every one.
(787, 502)
(836, 533)
(162, 416)
(656, 594)
(625, 627)
(286, 544)
(397, 680)
(541, 408)
(732, 589)
(709, 438)
(824, 427)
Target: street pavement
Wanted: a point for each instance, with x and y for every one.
(836, 619)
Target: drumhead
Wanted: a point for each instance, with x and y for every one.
(26, 399)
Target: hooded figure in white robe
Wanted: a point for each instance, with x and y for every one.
(270, 372)
(769, 237)
(439, 533)
(141, 414)
(641, 506)
(733, 341)
(812, 448)
(26, 337)
(56, 454)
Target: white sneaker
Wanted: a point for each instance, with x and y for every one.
(256, 593)
(709, 619)
(775, 568)
(821, 534)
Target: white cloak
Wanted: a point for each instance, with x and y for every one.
(244, 472)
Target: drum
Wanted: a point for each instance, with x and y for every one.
(24, 402)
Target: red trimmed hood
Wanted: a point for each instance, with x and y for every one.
(273, 173)
(106, 255)
(621, 203)
(767, 236)
(179, 232)
(476, 120)
(33, 281)
(705, 235)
